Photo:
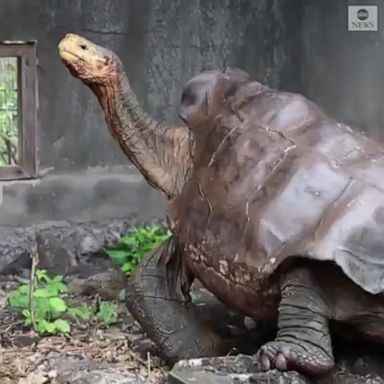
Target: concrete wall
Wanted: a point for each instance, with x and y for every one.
(294, 45)
(343, 71)
(162, 43)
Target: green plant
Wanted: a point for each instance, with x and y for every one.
(107, 313)
(47, 312)
(131, 248)
(80, 313)
(8, 111)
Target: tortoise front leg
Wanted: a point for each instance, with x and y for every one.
(157, 297)
(303, 340)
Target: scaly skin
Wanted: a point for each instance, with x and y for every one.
(158, 299)
(314, 294)
(303, 341)
(161, 153)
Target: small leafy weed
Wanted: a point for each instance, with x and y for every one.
(107, 313)
(50, 314)
(80, 313)
(48, 307)
(139, 241)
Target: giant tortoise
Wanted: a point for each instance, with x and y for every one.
(275, 207)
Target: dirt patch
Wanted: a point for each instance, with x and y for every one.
(93, 359)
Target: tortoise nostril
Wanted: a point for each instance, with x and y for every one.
(83, 46)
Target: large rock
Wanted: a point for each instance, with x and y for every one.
(90, 280)
(61, 246)
(238, 369)
(355, 365)
(69, 369)
(16, 244)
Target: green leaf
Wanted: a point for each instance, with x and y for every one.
(83, 312)
(28, 321)
(46, 292)
(42, 307)
(118, 256)
(62, 287)
(129, 241)
(62, 326)
(127, 267)
(18, 300)
(26, 313)
(107, 313)
(42, 274)
(57, 304)
(132, 247)
(49, 326)
(41, 329)
(58, 287)
(24, 288)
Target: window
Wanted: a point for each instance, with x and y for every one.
(18, 110)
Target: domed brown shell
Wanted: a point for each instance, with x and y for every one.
(273, 178)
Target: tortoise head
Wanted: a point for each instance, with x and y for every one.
(89, 62)
(205, 95)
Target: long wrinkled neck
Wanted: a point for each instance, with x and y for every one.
(141, 138)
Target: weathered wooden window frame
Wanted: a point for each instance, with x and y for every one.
(26, 52)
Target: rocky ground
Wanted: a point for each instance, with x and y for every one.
(93, 354)
(120, 353)
(117, 354)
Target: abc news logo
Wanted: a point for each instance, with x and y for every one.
(362, 18)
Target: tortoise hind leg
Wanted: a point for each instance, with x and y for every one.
(157, 297)
(303, 341)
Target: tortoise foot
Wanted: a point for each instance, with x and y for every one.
(301, 356)
(303, 341)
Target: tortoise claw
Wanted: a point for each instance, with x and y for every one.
(303, 357)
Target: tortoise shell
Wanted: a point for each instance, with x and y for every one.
(274, 178)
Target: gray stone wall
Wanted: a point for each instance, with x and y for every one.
(294, 45)
(343, 71)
